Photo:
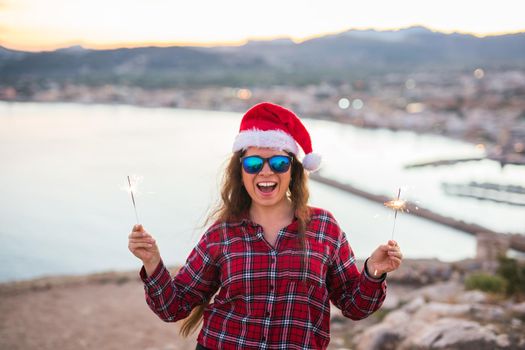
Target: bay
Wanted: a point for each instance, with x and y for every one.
(65, 210)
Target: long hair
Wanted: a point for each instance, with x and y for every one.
(235, 201)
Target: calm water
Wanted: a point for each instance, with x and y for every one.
(63, 210)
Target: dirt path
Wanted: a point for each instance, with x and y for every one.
(101, 311)
(94, 313)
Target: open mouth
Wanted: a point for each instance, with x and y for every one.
(266, 187)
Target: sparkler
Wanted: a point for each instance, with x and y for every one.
(133, 199)
(397, 205)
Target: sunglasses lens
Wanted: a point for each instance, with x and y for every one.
(252, 165)
(279, 164)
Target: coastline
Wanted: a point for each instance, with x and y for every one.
(46, 283)
(495, 152)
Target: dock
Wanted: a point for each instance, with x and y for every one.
(516, 241)
(508, 194)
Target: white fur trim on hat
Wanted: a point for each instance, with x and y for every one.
(276, 139)
(312, 161)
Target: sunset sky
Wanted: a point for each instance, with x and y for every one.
(49, 24)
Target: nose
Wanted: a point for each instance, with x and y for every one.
(266, 170)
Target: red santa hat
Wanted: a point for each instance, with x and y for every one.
(269, 125)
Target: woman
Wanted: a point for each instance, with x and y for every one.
(275, 262)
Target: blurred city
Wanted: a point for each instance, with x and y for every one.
(471, 88)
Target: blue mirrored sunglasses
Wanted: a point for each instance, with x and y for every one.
(278, 164)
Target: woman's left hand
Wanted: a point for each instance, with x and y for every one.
(386, 258)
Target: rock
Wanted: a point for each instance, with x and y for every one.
(422, 271)
(337, 341)
(336, 316)
(379, 337)
(433, 311)
(443, 292)
(391, 301)
(337, 326)
(397, 317)
(503, 341)
(403, 323)
(450, 333)
(472, 296)
(519, 309)
(488, 312)
(515, 323)
(414, 305)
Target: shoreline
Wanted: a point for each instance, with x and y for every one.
(503, 159)
(122, 277)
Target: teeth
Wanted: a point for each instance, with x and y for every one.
(267, 184)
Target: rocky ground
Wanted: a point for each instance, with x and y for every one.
(426, 308)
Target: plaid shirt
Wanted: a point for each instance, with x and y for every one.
(266, 300)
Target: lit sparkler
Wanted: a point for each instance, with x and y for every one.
(131, 189)
(397, 205)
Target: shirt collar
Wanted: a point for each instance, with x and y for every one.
(245, 221)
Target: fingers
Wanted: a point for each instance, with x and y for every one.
(395, 254)
(133, 246)
(139, 238)
(138, 232)
(149, 240)
(138, 227)
(394, 264)
(389, 246)
(394, 250)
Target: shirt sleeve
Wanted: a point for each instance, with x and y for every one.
(357, 294)
(173, 299)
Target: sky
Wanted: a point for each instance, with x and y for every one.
(36, 25)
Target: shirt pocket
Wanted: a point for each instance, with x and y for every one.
(309, 266)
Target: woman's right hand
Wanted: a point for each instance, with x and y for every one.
(144, 247)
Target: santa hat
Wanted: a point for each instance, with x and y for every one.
(269, 125)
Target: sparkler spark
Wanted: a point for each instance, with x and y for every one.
(397, 205)
(132, 188)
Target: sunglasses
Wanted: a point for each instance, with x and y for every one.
(254, 164)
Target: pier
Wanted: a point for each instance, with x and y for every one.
(516, 241)
(514, 159)
(443, 162)
(508, 194)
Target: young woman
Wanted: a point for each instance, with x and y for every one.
(275, 262)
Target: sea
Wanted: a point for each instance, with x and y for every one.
(65, 208)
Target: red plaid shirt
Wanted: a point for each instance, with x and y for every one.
(266, 300)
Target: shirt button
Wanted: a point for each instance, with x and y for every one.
(271, 286)
(267, 314)
(263, 339)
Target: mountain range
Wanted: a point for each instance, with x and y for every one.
(353, 54)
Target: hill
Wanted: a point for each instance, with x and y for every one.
(350, 55)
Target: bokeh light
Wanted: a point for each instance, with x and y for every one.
(357, 104)
(479, 73)
(343, 103)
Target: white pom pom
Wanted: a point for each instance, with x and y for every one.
(312, 162)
